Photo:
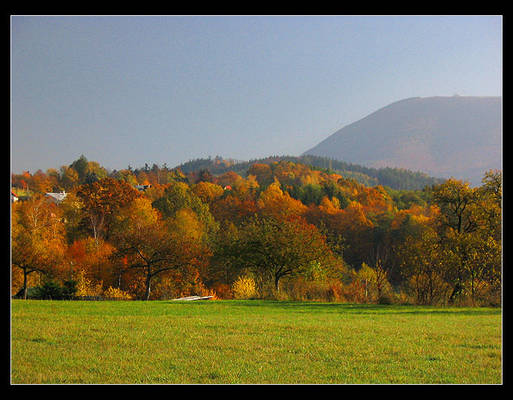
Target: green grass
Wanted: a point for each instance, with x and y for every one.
(252, 342)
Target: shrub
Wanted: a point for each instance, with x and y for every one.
(117, 294)
(385, 299)
(244, 288)
(223, 291)
(49, 290)
(69, 289)
(428, 289)
(336, 291)
(301, 289)
(87, 288)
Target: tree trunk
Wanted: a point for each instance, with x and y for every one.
(148, 287)
(25, 289)
(277, 283)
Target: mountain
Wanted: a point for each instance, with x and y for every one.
(445, 137)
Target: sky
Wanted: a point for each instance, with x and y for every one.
(130, 90)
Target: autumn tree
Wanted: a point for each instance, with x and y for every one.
(274, 202)
(41, 183)
(145, 244)
(349, 225)
(37, 235)
(373, 282)
(90, 259)
(100, 200)
(489, 204)
(204, 175)
(208, 192)
(470, 225)
(179, 196)
(54, 179)
(423, 265)
(262, 172)
(68, 178)
(229, 178)
(73, 216)
(80, 167)
(224, 264)
(456, 200)
(87, 171)
(126, 175)
(233, 209)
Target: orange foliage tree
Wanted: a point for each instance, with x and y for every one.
(90, 259)
(273, 202)
(38, 241)
(145, 244)
(100, 200)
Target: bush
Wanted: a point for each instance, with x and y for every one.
(86, 287)
(223, 291)
(51, 290)
(116, 294)
(385, 299)
(244, 288)
(69, 289)
(301, 289)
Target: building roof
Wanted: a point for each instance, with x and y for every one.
(57, 196)
(142, 187)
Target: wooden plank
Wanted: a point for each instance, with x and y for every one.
(192, 298)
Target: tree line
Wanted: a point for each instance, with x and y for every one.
(284, 228)
(395, 178)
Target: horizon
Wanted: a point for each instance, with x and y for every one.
(238, 160)
(133, 90)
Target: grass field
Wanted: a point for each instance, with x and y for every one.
(252, 342)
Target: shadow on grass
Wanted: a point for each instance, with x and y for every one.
(344, 308)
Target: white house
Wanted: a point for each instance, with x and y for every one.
(56, 197)
(142, 188)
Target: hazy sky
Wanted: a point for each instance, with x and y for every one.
(167, 89)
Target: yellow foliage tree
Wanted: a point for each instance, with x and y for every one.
(273, 202)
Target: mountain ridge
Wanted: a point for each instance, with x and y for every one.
(445, 136)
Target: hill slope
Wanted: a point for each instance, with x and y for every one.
(395, 178)
(440, 136)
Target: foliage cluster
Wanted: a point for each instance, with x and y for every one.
(299, 232)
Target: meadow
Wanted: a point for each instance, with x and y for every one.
(252, 342)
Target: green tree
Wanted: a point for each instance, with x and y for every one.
(274, 249)
(179, 196)
(80, 166)
(456, 200)
(470, 234)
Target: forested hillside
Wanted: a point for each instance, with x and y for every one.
(280, 229)
(395, 178)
